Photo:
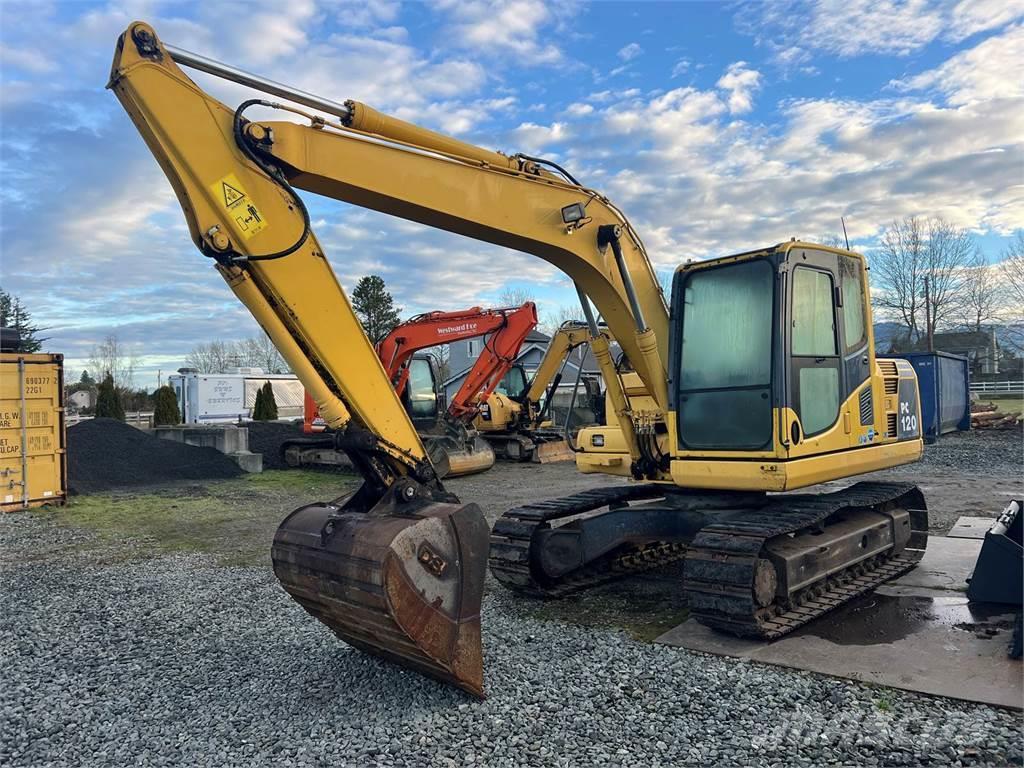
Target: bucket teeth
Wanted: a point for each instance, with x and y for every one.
(406, 588)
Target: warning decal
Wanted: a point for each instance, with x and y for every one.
(231, 195)
(241, 209)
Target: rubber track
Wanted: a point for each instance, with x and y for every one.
(513, 532)
(721, 560)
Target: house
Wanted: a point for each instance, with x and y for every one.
(83, 398)
(981, 348)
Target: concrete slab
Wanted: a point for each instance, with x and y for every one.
(970, 527)
(918, 633)
(943, 572)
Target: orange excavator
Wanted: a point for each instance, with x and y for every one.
(453, 444)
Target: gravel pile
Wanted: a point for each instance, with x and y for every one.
(987, 451)
(266, 437)
(104, 454)
(176, 662)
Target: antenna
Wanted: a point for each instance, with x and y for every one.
(845, 237)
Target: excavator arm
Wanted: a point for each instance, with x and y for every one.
(569, 337)
(396, 568)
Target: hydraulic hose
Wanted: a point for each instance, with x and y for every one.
(276, 176)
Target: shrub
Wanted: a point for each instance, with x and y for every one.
(165, 410)
(108, 404)
(265, 407)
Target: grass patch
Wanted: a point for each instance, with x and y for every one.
(234, 520)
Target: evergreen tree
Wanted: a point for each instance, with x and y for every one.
(259, 408)
(108, 404)
(265, 407)
(375, 307)
(14, 315)
(87, 380)
(165, 411)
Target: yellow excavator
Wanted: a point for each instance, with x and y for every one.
(515, 417)
(762, 378)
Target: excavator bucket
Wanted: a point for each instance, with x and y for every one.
(404, 584)
(452, 457)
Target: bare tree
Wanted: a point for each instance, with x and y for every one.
(514, 296)
(553, 319)
(212, 357)
(980, 293)
(1011, 273)
(919, 272)
(111, 356)
(260, 352)
(897, 269)
(949, 253)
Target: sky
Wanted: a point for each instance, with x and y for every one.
(717, 127)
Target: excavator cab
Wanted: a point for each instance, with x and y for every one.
(514, 383)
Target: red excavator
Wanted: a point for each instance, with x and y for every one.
(454, 446)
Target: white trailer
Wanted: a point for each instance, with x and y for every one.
(208, 398)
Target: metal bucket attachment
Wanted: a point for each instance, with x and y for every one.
(454, 458)
(406, 587)
(553, 451)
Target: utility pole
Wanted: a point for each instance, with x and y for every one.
(929, 330)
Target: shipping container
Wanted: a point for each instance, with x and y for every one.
(944, 382)
(223, 398)
(33, 458)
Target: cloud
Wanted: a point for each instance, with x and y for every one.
(500, 29)
(630, 52)
(680, 68)
(978, 74)
(579, 109)
(792, 29)
(701, 170)
(536, 138)
(741, 83)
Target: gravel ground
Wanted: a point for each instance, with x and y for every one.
(175, 661)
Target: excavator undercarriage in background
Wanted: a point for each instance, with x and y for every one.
(762, 379)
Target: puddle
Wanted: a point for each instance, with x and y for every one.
(876, 619)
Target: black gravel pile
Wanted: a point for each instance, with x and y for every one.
(266, 437)
(105, 453)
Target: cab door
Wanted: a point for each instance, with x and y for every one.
(420, 398)
(815, 366)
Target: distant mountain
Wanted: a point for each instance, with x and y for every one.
(885, 334)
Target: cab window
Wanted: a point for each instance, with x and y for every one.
(725, 363)
(420, 389)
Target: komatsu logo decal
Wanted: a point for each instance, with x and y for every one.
(456, 328)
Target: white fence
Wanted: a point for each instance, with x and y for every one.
(998, 387)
